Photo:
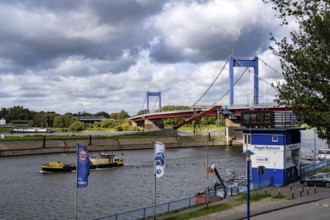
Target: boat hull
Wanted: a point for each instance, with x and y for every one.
(201, 199)
(57, 170)
(69, 168)
(212, 196)
(100, 166)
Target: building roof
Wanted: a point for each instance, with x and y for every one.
(280, 129)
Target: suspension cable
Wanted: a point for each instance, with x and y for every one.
(153, 108)
(272, 68)
(145, 98)
(247, 69)
(226, 93)
(211, 83)
(271, 84)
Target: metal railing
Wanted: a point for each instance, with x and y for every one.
(149, 212)
(261, 184)
(312, 167)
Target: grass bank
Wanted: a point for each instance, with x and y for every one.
(254, 197)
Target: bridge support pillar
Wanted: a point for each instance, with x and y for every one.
(218, 132)
(198, 131)
(230, 132)
(153, 125)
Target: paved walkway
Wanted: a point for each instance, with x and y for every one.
(300, 196)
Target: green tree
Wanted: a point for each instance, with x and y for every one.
(63, 121)
(77, 126)
(108, 123)
(126, 126)
(104, 114)
(142, 112)
(18, 113)
(3, 113)
(305, 61)
(119, 115)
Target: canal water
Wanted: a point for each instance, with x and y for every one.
(25, 193)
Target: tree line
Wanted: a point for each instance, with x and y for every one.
(18, 115)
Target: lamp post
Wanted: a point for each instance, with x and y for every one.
(248, 154)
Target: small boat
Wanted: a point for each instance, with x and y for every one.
(217, 192)
(105, 161)
(58, 167)
(96, 162)
(231, 186)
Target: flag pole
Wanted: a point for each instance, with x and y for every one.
(76, 206)
(155, 181)
(155, 198)
(159, 166)
(76, 191)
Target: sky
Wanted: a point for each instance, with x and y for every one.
(70, 56)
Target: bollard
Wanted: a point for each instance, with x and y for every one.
(231, 191)
(265, 191)
(300, 192)
(314, 189)
(302, 186)
(291, 187)
(279, 191)
(308, 191)
(292, 194)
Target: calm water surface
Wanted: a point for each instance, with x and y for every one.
(28, 194)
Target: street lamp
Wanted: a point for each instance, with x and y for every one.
(248, 154)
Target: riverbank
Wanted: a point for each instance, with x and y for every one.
(290, 196)
(49, 145)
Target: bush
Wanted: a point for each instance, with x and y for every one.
(77, 126)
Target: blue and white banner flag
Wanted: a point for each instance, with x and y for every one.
(83, 166)
(159, 159)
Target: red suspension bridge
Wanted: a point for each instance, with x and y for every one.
(231, 111)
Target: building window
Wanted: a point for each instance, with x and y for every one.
(275, 138)
(247, 138)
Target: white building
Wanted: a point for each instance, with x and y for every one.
(2, 121)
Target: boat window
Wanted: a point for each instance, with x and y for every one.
(275, 138)
(247, 138)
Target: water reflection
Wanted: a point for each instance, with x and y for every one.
(28, 194)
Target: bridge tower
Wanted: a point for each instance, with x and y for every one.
(244, 63)
(158, 94)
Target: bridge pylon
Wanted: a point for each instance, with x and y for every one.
(159, 95)
(244, 63)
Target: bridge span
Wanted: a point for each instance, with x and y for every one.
(234, 110)
(149, 121)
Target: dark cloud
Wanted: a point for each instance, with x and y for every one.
(40, 49)
(126, 12)
(214, 47)
(96, 55)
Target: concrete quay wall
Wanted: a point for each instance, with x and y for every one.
(44, 146)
